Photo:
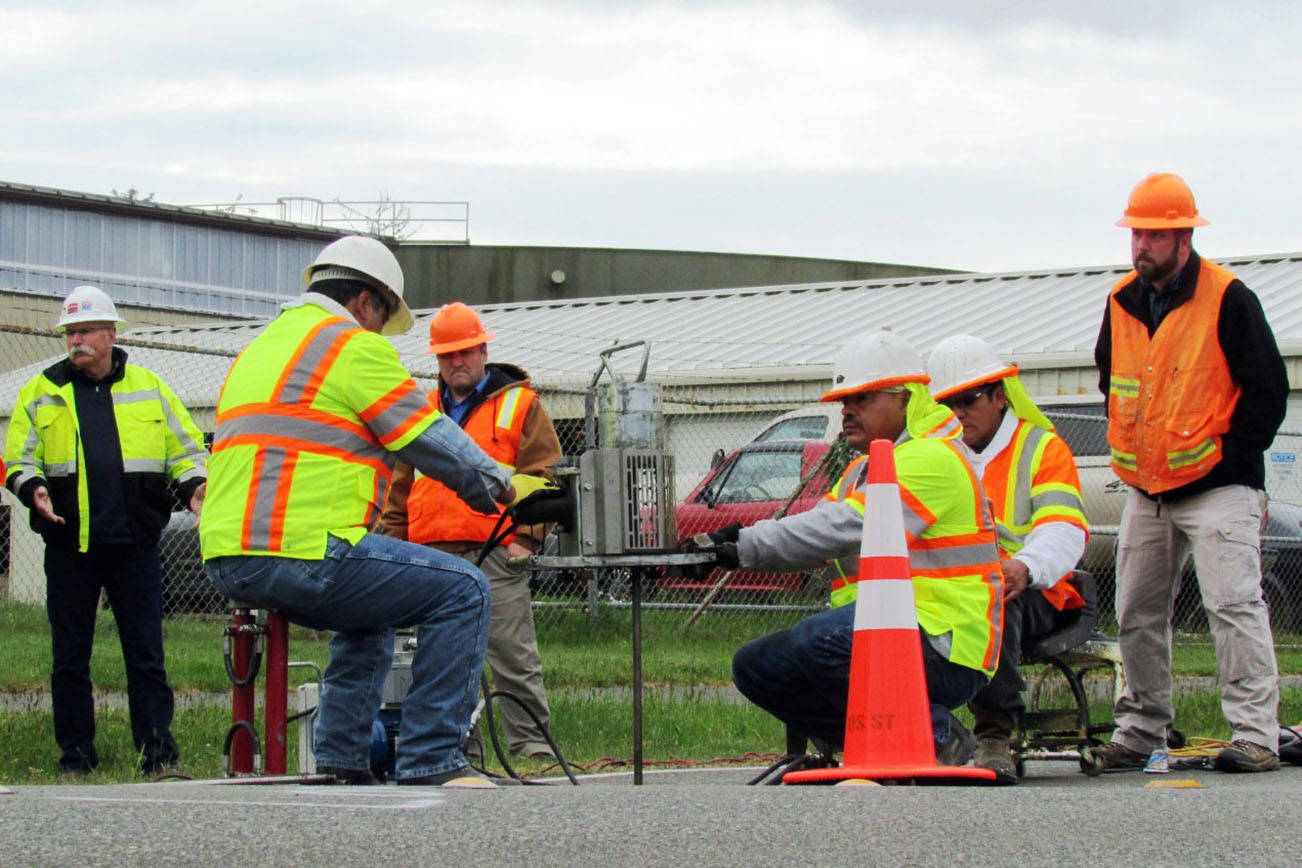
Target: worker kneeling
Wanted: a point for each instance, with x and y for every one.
(802, 675)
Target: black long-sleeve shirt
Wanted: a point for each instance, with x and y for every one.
(103, 451)
(1255, 365)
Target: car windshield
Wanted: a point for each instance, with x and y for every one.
(799, 428)
(755, 476)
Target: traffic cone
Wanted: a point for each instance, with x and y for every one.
(888, 733)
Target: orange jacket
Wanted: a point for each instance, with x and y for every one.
(1171, 396)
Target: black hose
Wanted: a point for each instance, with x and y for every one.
(501, 531)
(255, 660)
(238, 726)
(491, 725)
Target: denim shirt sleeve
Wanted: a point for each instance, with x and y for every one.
(446, 453)
(803, 541)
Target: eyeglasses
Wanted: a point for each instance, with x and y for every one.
(966, 399)
(84, 330)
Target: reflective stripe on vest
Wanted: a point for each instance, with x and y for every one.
(1170, 396)
(953, 561)
(155, 433)
(293, 459)
(434, 513)
(1021, 505)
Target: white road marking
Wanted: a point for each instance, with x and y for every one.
(409, 803)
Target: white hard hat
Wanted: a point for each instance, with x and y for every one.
(355, 257)
(88, 304)
(962, 362)
(872, 362)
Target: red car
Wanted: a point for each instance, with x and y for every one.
(749, 485)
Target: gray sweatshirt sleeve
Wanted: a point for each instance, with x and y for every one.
(803, 541)
(446, 453)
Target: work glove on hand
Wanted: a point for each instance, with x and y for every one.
(526, 484)
(538, 504)
(722, 543)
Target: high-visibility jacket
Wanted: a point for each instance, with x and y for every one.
(1170, 396)
(159, 442)
(306, 422)
(925, 419)
(434, 513)
(953, 561)
(1031, 482)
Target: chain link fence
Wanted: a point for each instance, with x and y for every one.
(733, 462)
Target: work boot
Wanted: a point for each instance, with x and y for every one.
(1115, 756)
(958, 746)
(1246, 756)
(464, 778)
(996, 754)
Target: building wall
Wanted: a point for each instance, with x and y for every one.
(439, 273)
(150, 255)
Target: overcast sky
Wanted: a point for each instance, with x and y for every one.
(971, 134)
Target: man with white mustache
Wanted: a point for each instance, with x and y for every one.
(96, 450)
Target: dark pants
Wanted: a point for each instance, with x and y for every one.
(995, 709)
(802, 676)
(133, 579)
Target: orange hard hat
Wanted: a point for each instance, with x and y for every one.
(456, 327)
(1161, 201)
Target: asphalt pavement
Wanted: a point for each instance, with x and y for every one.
(1055, 816)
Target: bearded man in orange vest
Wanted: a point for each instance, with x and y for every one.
(495, 405)
(1196, 390)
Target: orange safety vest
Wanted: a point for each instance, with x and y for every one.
(1170, 397)
(1031, 482)
(434, 513)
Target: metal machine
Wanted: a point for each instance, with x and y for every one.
(623, 491)
(618, 509)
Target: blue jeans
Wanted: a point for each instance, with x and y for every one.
(802, 677)
(363, 593)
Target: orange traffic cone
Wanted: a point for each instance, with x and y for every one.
(888, 716)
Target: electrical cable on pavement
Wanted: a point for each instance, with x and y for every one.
(501, 531)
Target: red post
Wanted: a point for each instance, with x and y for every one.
(277, 696)
(242, 711)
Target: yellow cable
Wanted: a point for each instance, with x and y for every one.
(1198, 746)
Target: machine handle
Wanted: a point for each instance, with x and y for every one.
(605, 355)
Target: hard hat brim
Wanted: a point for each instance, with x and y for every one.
(463, 344)
(118, 323)
(401, 321)
(1162, 222)
(874, 386)
(994, 377)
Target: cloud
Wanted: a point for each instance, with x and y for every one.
(921, 100)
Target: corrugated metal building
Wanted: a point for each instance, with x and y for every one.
(768, 347)
(729, 360)
(148, 254)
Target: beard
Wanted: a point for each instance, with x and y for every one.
(1154, 271)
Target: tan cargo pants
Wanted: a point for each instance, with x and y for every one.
(1222, 527)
